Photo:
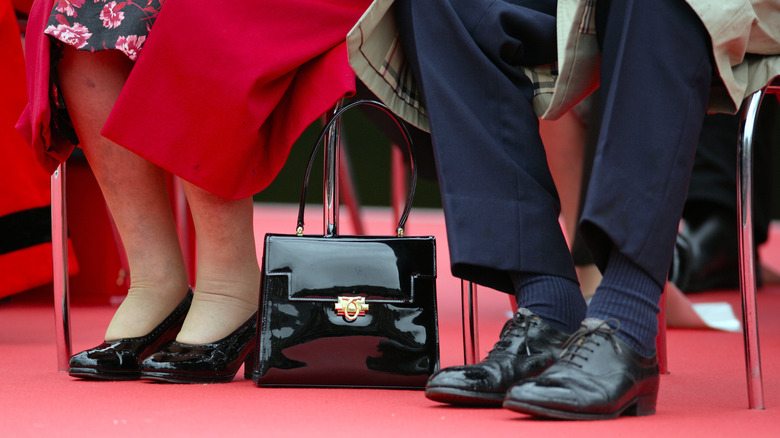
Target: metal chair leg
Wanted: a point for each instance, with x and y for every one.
(347, 188)
(398, 185)
(468, 294)
(747, 263)
(660, 340)
(341, 178)
(330, 195)
(59, 243)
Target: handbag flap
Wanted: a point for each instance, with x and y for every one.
(382, 269)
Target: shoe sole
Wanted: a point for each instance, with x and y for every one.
(181, 378)
(637, 407)
(464, 397)
(96, 374)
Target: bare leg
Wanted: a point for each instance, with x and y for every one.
(228, 277)
(564, 143)
(134, 190)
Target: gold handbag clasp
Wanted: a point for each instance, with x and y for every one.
(351, 307)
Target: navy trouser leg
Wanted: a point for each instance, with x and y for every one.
(499, 199)
(655, 79)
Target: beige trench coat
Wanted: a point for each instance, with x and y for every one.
(745, 41)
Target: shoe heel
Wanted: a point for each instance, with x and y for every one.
(645, 405)
(249, 364)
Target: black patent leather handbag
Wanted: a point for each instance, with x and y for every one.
(348, 311)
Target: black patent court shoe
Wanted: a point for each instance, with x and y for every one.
(120, 359)
(215, 362)
(596, 377)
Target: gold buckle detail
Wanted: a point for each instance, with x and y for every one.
(351, 307)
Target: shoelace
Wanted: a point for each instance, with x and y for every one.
(581, 338)
(518, 320)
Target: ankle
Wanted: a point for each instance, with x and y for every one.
(557, 300)
(240, 289)
(215, 315)
(628, 294)
(143, 309)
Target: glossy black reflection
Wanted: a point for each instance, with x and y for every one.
(120, 359)
(215, 362)
(303, 341)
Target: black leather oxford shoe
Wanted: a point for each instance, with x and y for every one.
(527, 346)
(120, 359)
(597, 377)
(215, 362)
(706, 255)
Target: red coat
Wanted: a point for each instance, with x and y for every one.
(25, 227)
(220, 91)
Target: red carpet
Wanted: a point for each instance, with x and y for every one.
(703, 396)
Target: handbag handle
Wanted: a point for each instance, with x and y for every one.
(412, 162)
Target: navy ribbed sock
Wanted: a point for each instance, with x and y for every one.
(628, 294)
(557, 300)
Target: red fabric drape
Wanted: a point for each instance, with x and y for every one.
(220, 92)
(24, 186)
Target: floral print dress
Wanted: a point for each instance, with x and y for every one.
(94, 25)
